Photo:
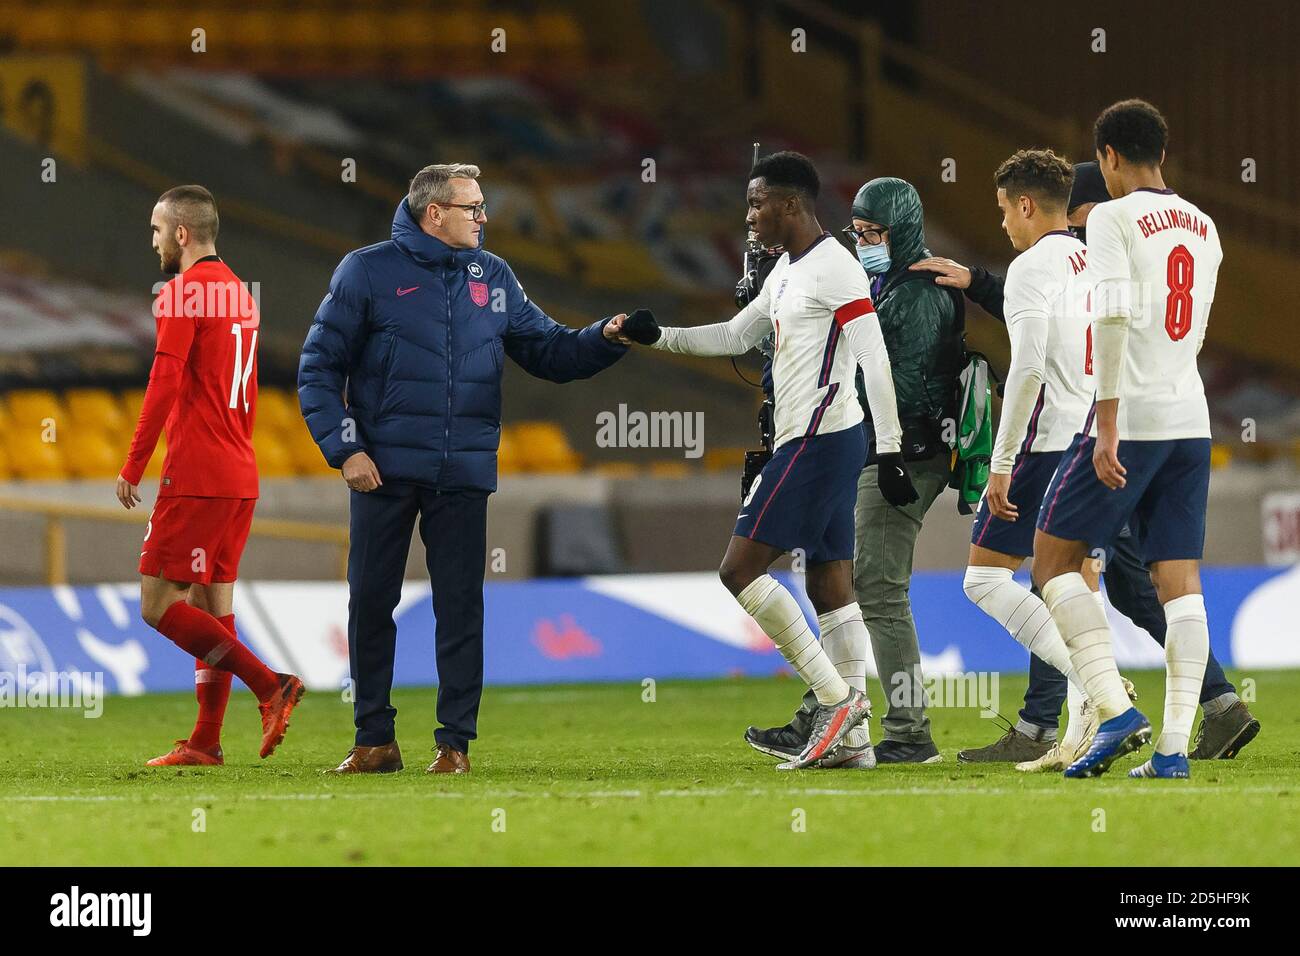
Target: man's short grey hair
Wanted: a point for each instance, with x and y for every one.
(433, 184)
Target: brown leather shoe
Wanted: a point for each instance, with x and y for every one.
(449, 760)
(383, 759)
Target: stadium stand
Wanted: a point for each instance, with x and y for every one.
(275, 116)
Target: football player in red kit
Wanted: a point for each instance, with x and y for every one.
(203, 390)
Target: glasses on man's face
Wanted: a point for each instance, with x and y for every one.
(872, 237)
(474, 209)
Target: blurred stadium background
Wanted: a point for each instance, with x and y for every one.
(286, 97)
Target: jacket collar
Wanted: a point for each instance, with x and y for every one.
(422, 247)
(899, 273)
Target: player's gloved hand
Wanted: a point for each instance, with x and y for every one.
(894, 481)
(641, 327)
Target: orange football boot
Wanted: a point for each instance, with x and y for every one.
(276, 711)
(183, 755)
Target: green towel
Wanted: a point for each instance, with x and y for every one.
(974, 439)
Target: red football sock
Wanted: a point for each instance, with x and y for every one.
(201, 635)
(212, 689)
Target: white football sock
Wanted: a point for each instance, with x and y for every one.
(1076, 698)
(846, 642)
(779, 615)
(1187, 646)
(1082, 625)
(1021, 612)
(1074, 701)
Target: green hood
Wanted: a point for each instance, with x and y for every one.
(918, 319)
(894, 203)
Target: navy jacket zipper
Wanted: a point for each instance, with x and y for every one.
(446, 425)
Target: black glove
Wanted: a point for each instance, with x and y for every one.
(893, 480)
(641, 327)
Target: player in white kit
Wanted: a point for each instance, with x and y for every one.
(1145, 450)
(817, 303)
(1048, 392)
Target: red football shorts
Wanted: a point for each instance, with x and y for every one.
(198, 540)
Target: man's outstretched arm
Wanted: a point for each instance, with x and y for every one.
(546, 349)
(735, 337)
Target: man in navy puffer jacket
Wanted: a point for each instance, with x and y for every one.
(400, 384)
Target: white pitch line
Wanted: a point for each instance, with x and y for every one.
(633, 794)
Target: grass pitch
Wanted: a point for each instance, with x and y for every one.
(593, 775)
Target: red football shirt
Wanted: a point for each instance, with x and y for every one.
(207, 318)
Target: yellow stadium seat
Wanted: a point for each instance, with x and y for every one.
(460, 31)
(670, 469)
(542, 256)
(5, 471)
(1220, 455)
(508, 462)
(32, 459)
(42, 29)
(304, 453)
(98, 29)
(361, 33)
(97, 408)
(618, 264)
(277, 410)
(558, 32)
(132, 399)
(307, 36)
(253, 32)
(273, 459)
(412, 30)
(617, 469)
(724, 459)
(31, 407)
(87, 453)
(543, 447)
(153, 30)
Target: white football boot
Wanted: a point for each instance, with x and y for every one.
(830, 724)
(854, 752)
(1064, 753)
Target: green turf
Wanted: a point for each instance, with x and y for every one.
(594, 775)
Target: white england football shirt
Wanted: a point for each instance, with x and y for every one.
(1046, 300)
(1154, 258)
(808, 302)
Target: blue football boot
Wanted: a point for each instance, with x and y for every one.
(1162, 767)
(1115, 738)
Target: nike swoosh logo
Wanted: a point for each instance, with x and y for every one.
(405, 291)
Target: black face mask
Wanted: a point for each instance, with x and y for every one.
(1080, 233)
